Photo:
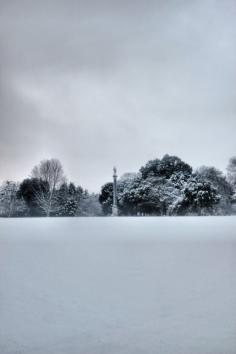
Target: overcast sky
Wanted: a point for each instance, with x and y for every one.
(102, 83)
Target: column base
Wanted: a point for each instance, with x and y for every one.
(114, 210)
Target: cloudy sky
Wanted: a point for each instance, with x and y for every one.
(97, 83)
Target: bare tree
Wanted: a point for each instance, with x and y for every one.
(231, 169)
(231, 175)
(51, 172)
(45, 200)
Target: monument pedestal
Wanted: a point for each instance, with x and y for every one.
(114, 210)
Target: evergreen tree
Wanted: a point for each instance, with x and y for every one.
(106, 198)
(223, 187)
(199, 198)
(29, 189)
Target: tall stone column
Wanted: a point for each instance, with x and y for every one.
(114, 206)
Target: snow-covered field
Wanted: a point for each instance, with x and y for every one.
(118, 286)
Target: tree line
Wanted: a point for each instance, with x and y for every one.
(47, 193)
(166, 186)
(169, 186)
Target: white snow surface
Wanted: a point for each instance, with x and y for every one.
(118, 285)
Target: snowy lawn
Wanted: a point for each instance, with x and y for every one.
(118, 285)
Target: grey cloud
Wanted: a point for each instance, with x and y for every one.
(97, 83)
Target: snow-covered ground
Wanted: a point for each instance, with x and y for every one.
(118, 285)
